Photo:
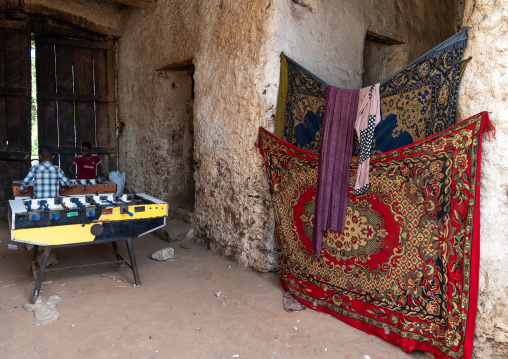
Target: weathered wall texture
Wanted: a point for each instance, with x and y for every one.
(380, 60)
(327, 37)
(485, 88)
(94, 15)
(235, 73)
(175, 123)
(421, 24)
(151, 108)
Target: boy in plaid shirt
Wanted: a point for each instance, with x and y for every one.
(46, 176)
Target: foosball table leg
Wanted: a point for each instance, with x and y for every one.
(115, 248)
(133, 262)
(34, 260)
(40, 275)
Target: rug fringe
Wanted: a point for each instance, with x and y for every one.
(456, 45)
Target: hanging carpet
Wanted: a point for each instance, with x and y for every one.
(300, 106)
(420, 100)
(406, 267)
(416, 102)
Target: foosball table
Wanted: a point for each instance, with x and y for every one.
(82, 186)
(83, 219)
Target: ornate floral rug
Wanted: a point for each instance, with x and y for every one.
(406, 267)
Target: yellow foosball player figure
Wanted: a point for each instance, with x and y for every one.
(46, 176)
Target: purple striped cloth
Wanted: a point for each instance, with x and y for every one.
(341, 108)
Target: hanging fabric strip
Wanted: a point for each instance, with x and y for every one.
(334, 162)
(368, 117)
(280, 114)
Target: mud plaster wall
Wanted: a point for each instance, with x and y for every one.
(149, 105)
(484, 87)
(174, 112)
(231, 45)
(327, 37)
(94, 15)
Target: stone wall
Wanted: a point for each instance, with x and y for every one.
(174, 108)
(484, 88)
(235, 92)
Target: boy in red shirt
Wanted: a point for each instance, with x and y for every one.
(86, 163)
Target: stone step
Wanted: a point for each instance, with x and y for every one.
(182, 208)
(175, 230)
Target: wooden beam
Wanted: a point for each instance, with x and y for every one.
(186, 65)
(14, 156)
(42, 96)
(135, 3)
(14, 91)
(383, 39)
(77, 150)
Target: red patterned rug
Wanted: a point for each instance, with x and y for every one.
(406, 267)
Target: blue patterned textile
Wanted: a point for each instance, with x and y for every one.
(305, 108)
(416, 102)
(419, 100)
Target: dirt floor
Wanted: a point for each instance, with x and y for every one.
(175, 314)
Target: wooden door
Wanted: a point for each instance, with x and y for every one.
(76, 98)
(14, 107)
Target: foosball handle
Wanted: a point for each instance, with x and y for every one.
(55, 217)
(126, 211)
